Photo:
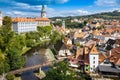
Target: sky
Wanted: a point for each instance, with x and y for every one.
(32, 8)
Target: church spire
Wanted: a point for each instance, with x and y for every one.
(43, 12)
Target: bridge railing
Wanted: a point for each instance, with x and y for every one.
(35, 67)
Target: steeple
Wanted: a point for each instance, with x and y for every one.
(43, 12)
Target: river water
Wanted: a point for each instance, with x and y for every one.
(33, 57)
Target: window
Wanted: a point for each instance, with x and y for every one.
(93, 66)
(106, 62)
(86, 69)
(93, 61)
(93, 57)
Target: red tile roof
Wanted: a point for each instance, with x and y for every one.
(42, 19)
(23, 20)
(114, 57)
(29, 19)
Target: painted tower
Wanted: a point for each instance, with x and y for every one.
(43, 12)
(63, 24)
(0, 18)
(93, 59)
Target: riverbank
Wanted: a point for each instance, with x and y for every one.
(40, 75)
(49, 55)
(26, 49)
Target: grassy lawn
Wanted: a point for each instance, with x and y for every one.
(25, 50)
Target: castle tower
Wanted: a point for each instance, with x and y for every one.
(43, 12)
(0, 18)
(63, 24)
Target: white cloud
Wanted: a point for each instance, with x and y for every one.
(50, 13)
(27, 10)
(15, 13)
(78, 12)
(61, 1)
(106, 2)
(25, 6)
(22, 14)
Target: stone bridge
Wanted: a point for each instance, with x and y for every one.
(18, 71)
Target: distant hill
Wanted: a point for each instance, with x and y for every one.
(105, 15)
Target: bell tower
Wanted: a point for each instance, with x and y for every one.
(63, 24)
(43, 12)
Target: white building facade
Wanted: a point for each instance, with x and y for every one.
(23, 25)
(93, 60)
(42, 21)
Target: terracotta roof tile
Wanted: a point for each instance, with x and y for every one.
(29, 19)
(41, 19)
(117, 41)
(23, 20)
(90, 42)
(114, 57)
(94, 50)
(96, 32)
(101, 57)
(79, 35)
(79, 53)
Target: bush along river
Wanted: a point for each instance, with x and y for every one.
(34, 57)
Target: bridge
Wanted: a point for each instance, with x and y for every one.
(34, 67)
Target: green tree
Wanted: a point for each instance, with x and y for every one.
(4, 66)
(55, 36)
(17, 41)
(85, 22)
(15, 59)
(30, 43)
(44, 31)
(60, 71)
(10, 77)
(31, 39)
(7, 22)
(58, 23)
(5, 37)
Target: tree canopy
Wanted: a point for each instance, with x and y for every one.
(7, 22)
(60, 71)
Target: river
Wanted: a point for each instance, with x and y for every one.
(34, 57)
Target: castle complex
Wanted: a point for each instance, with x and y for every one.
(22, 25)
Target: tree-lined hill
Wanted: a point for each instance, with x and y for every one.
(105, 15)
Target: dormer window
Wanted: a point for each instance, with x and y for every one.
(106, 62)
